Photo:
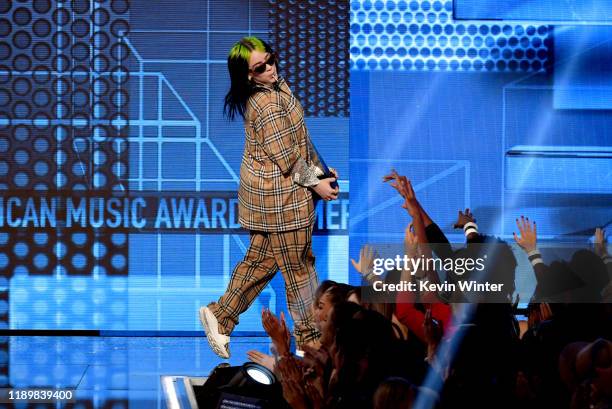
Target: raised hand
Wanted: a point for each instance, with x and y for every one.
(276, 330)
(365, 265)
(528, 238)
(463, 219)
(600, 244)
(404, 187)
(391, 176)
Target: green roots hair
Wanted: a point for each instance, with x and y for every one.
(238, 66)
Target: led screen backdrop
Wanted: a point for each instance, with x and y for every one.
(506, 117)
(571, 11)
(121, 101)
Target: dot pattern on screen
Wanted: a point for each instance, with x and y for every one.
(421, 35)
(311, 39)
(64, 81)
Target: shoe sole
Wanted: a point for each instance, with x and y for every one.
(216, 349)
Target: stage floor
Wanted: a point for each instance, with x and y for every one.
(115, 372)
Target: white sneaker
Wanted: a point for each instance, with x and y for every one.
(218, 342)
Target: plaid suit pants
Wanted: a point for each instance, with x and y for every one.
(289, 251)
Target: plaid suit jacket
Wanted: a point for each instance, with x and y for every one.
(276, 139)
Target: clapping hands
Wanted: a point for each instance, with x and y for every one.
(276, 330)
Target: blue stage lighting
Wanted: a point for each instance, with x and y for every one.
(426, 28)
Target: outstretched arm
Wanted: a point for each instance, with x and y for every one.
(404, 188)
(527, 240)
(437, 240)
(411, 204)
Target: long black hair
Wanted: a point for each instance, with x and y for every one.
(241, 87)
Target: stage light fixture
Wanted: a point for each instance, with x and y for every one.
(235, 386)
(259, 373)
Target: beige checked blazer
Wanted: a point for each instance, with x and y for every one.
(276, 164)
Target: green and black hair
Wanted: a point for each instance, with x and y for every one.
(238, 66)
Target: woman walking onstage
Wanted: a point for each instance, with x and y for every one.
(279, 171)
